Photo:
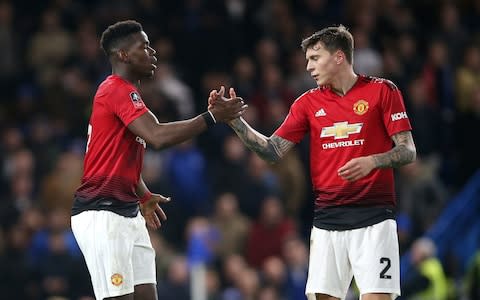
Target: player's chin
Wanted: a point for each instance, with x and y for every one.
(149, 73)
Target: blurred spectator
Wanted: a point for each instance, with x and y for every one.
(467, 78)
(267, 292)
(9, 60)
(292, 182)
(19, 200)
(465, 131)
(246, 286)
(272, 92)
(59, 186)
(451, 30)
(232, 267)
(244, 76)
(232, 225)
(269, 232)
(185, 170)
(425, 118)
(422, 194)
(438, 77)
(176, 284)
(295, 254)
(429, 281)
(170, 85)
(298, 80)
(367, 60)
(51, 45)
(274, 274)
(260, 182)
(18, 280)
(472, 278)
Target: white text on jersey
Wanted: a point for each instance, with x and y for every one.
(399, 116)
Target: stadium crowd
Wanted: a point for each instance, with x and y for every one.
(248, 220)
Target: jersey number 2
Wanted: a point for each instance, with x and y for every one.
(383, 274)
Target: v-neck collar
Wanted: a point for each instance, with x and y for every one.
(359, 77)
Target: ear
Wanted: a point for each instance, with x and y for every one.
(123, 56)
(339, 57)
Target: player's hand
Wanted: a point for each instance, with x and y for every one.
(225, 109)
(357, 168)
(152, 212)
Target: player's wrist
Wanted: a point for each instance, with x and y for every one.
(209, 118)
(145, 197)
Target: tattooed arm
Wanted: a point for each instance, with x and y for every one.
(403, 153)
(270, 149)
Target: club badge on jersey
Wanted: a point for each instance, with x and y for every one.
(136, 100)
(360, 107)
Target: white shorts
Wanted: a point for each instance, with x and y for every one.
(370, 254)
(117, 250)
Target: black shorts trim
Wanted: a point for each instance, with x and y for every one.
(122, 208)
(351, 217)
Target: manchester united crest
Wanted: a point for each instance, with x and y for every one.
(360, 107)
(117, 279)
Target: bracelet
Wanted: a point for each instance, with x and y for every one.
(209, 118)
(145, 197)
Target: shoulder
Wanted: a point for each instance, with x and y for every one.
(315, 92)
(380, 82)
(114, 86)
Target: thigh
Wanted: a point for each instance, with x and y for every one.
(107, 245)
(374, 255)
(143, 256)
(329, 271)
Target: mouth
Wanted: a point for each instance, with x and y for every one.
(154, 62)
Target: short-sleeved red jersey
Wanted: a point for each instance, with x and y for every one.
(114, 155)
(360, 123)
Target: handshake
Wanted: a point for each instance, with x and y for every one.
(225, 109)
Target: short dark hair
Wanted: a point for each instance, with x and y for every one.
(333, 38)
(117, 33)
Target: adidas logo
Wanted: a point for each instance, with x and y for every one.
(320, 113)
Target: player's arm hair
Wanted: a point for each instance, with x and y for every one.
(403, 153)
(162, 135)
(270, 149)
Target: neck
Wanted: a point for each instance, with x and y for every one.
(344, 82)
(128, 76)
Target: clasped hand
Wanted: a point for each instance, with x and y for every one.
(225, 109)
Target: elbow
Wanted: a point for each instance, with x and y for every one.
(160, 145)
(413, 154)
(157, 143)
(273, 160)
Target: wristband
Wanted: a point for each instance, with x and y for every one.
(209, 118)
(145, 197)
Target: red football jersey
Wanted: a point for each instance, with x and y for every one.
(114, 155)
(341, 128)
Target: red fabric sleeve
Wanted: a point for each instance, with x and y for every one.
(295, 124)
(128, 105)
(395, 117)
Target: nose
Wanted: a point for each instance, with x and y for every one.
(309, 66)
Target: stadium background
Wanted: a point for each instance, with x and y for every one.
(247, 221)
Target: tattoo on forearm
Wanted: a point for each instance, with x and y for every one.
(269, 149)
(403, 153)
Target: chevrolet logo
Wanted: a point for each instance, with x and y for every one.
(341, 130)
